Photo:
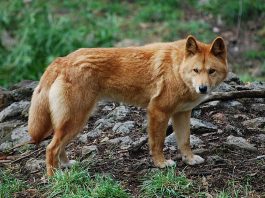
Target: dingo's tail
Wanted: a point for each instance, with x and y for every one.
(39, 123)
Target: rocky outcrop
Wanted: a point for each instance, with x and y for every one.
(114, 124)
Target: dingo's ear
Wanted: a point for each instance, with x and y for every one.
(218, 48)
(191, 46)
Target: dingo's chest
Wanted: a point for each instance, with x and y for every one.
(187, 106)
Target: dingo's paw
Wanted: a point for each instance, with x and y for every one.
(166, 163)
(68, 164)
(195, 159)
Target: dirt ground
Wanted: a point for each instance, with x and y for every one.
(130, 167)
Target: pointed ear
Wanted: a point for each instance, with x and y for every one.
(191, 46)
(218, 48)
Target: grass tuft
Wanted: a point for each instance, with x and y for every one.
(9, 184)
(165, 183)
(76, 182)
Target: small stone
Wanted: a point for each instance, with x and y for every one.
(200, 126)
(83, 138)
(258, 107)
(256, 85)
(20, 135)
(5, 146)
(234, 104)
(124, 127)
(232, 129)
(6, 128)
(260, 138)
(124, 142)
(215, 159)
(34, 164)
(15, 109)
(255, 123)
(89, 149)
(224, 87)
(94, 133)
(103, 124)
(232, 77)
(240, 142)
(212, 104)
(118, 113)
(194, 141)
(23, 90)
(105, 139)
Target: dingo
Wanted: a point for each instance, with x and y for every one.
(169, 79)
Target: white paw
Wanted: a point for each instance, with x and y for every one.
(68, 164)
(166, 163)
(170, 163)
(195, 159)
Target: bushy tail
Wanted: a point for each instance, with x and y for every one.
(39, 123)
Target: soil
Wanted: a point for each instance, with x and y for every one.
(130, 167)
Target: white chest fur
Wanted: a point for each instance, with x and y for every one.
(186, 106)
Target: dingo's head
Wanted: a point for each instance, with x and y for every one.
(204, 66)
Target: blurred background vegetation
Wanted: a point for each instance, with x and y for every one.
(34, 32)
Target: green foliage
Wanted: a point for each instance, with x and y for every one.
(229, 10)
(165, 183)
(42, 30)
(76, 182)
(9, 184)
(235, 190)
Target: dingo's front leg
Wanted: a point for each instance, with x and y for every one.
(157, 124)
(181, 123)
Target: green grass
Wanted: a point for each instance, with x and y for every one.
(9, 184)
(167, 183)
(76, 182)
(34, 33)
(235, 190)
(39, 31)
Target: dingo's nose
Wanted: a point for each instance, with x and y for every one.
(203, 89)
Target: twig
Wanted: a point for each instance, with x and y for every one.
(19, 159)
(239, 18)
(235, 95)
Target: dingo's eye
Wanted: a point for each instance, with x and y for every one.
(211, 71)
(196, 70)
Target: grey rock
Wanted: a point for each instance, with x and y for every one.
(240, 142)
(260, 138)
(34, 165)
(15, 109)
(256, 85)
(23, 90)
(233, 103)
(232, 77)
(5, 98)
(200, 126)
(212, 104)
(124, 127)
(224, 87)
(215, 159)
(83, 138)
(89, 149)
(103, 124)
(94, 133)
(6, 128)
(118, 113)
(20, 135)
(124, 142)
(254, 123)
(194, 141)
(232, 129)
(258, 107)
(5, 146)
